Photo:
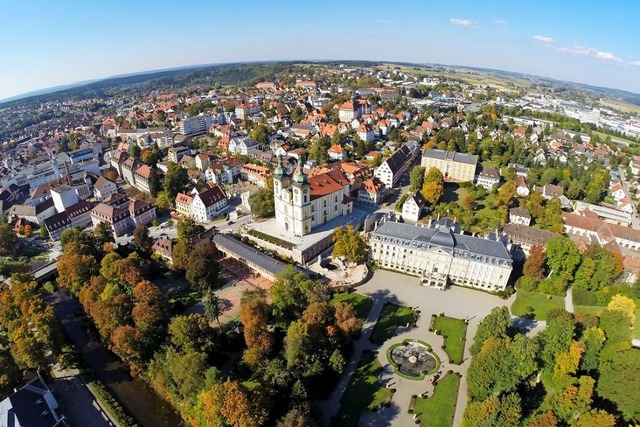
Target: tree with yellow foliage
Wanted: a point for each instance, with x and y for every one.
(625, 305)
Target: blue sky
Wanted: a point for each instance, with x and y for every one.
(52, 42)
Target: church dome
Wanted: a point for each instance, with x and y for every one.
(443, 237)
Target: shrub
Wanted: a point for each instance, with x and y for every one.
(527, 283)
(584, 297)
(554, 285)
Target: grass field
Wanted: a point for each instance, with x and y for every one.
(362, 304)
(454, 332)
(392, 316)
(439, 409)
(363, 392)
(540, 303)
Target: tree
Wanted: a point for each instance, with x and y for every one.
(141, 239)
(8, 240)
(377, 160)
(180, 255)
(625, 305)
(213, 307)
(297, 417)
(563, 256)
(468, 202)
(260, 134)
(229, 403)
(347, 322)
(10, 375)
(298, 344)
(262, 202)
(432, 192)
(254, 316)
(292, 292)
(416, 178)
(191, 333)
(164, 201)
(75, 270)
(593, 340)
(202, 269)
(495, 325)
(620, 381)
(188, 228)
(319, 150)
(103, 233)
(557, 336)
(534, 266)
(595, 418)
(434, 175)
(349, 244)
(175, 180)
(616, 326)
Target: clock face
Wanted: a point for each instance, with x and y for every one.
(296, 191)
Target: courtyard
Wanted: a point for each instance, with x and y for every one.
(399, 303)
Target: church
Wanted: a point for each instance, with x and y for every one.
(303, 203)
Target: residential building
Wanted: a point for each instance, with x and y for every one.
(519, 216)
(454, 166)
(488, 178)
(224, 172)
(302, 203)
(117, 159)
(103, 188)
(202, 161)
(255, 174)
(63, 196)
(365, 132)
(78, 215)
(208, 204)
(125, 217)
(183, 204)
(390, 171)
(196, 124)
(522, 238)
(174, 154)
(337, 152)
(550, 191)
(163, 246)
(413, 206)
(522, 188)
(602, 233)
(32, 405)
(441, 256)
(371, 191)
(81, 155)
(144, 178)
(242, 145)
(348, 111)
(35, 214)
(129, 168)
(247, 110)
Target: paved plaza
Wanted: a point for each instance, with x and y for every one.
(386, 286)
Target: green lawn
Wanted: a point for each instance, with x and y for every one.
(540, 303)
(363, 392)
(392, 316)
(438, 409)
(454, 332)
(362, 304)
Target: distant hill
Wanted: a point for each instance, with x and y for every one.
(249, 73)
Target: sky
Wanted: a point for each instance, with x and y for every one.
(45, 43)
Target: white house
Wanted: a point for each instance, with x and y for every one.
(242, 145)
(208, 204)
(412, 207)
(103, 188)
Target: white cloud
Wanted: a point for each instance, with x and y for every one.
(500, 22)
(543, 39)
(634, 63)
(384, 21)
(461, 22)
(580, 50)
